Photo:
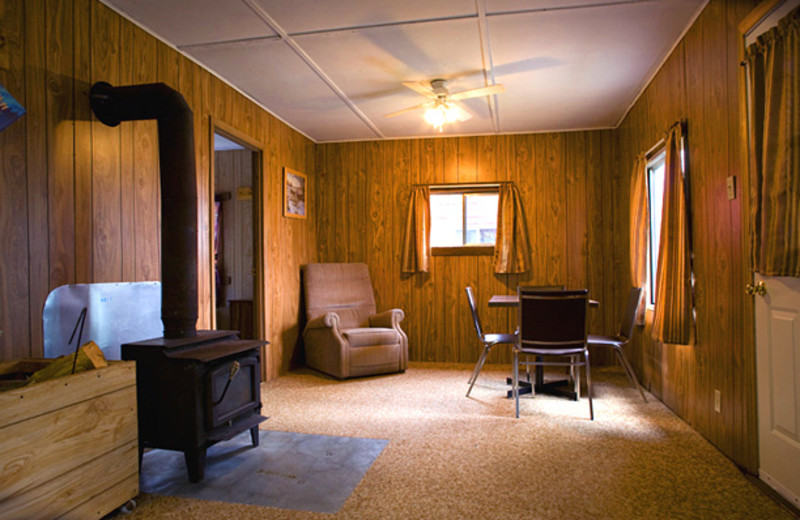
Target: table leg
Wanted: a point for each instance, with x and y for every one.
(559, 388)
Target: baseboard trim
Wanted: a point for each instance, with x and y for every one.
(765, 483)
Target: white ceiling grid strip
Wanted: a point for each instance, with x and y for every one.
(486, 56)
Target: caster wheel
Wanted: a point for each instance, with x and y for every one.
(128, 508)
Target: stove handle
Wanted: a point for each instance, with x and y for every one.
(232, 374)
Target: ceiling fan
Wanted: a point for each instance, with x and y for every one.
(440, 108)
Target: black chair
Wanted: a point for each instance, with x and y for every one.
(488, 340)
(622, 338)
(552, 326)
(526, 388)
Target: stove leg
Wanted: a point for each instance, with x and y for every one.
(254, 435)
(195, 463)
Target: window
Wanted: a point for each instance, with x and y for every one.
(463, 220)
(655, 201)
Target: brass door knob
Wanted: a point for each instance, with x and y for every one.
(760, 289)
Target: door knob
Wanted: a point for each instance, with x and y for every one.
(760, 289)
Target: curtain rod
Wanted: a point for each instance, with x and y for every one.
(661, 142)
(462, 185)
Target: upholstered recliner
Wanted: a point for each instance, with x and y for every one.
(344, 337)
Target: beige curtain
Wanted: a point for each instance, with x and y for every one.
(511, 252)
(672, 322)
(774, 73)
(417, 242)
(639, 224)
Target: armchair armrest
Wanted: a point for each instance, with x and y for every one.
(388, 319)
(329, 320)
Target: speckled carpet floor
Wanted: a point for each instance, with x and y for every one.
(452, 457)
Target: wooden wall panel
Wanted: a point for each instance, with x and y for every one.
(126, 152)
(146, 187)
(84, 215)
(568, 236)
(79, 201)
(107, 239)
(741, 423)
(38, 250)
(59, 129)
(14, 199)
(699, 83)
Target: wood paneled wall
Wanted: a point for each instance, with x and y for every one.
(699, 83)
(79, 201)
(567, 183)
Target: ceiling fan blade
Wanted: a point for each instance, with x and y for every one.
(463, 115)
(420, 89)
(477, 92)
(409, 109)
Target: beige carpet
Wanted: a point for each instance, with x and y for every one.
(450, 456)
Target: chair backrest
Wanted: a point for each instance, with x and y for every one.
(552, 319)
(629, 320)
(341, 287)
(475, 319)
(544, 287)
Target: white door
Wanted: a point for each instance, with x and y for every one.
(778, 373)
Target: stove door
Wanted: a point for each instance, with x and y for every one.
(231, 390)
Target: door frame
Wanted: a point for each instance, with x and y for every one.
(259, 259)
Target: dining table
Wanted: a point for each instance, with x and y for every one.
(559, 387)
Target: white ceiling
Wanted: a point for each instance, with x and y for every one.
(333, 68)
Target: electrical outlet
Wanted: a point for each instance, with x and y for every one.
(717, 401)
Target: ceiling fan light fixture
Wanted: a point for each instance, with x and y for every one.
(440, 115)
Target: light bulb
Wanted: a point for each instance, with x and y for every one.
(436, 116)
(441, 114)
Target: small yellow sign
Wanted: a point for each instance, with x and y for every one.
(244, 193)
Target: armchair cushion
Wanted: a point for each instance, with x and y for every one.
(371, 336)
(388, 319)
(341, 288)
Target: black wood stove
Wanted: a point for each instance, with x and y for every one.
(194, 392)
(194, 388)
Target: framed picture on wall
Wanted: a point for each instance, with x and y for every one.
(294, 194)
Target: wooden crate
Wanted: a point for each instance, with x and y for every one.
(69, 446)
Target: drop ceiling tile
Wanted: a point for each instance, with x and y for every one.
(369, 65)
(579, 68)
(273, 74)
(200, 21)
(315, 15)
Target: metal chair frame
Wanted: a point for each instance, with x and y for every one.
(488, 340)
(622, 338)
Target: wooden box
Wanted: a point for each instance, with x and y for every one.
(69, 446)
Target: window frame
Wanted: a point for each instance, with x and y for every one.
(464, 190)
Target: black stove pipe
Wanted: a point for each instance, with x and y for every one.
(178, 190)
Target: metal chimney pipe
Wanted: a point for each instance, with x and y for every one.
(178, 190)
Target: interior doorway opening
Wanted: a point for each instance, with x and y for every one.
(238, 265)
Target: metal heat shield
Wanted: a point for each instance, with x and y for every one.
(116, 313)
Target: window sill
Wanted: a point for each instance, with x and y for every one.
(463, 251)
